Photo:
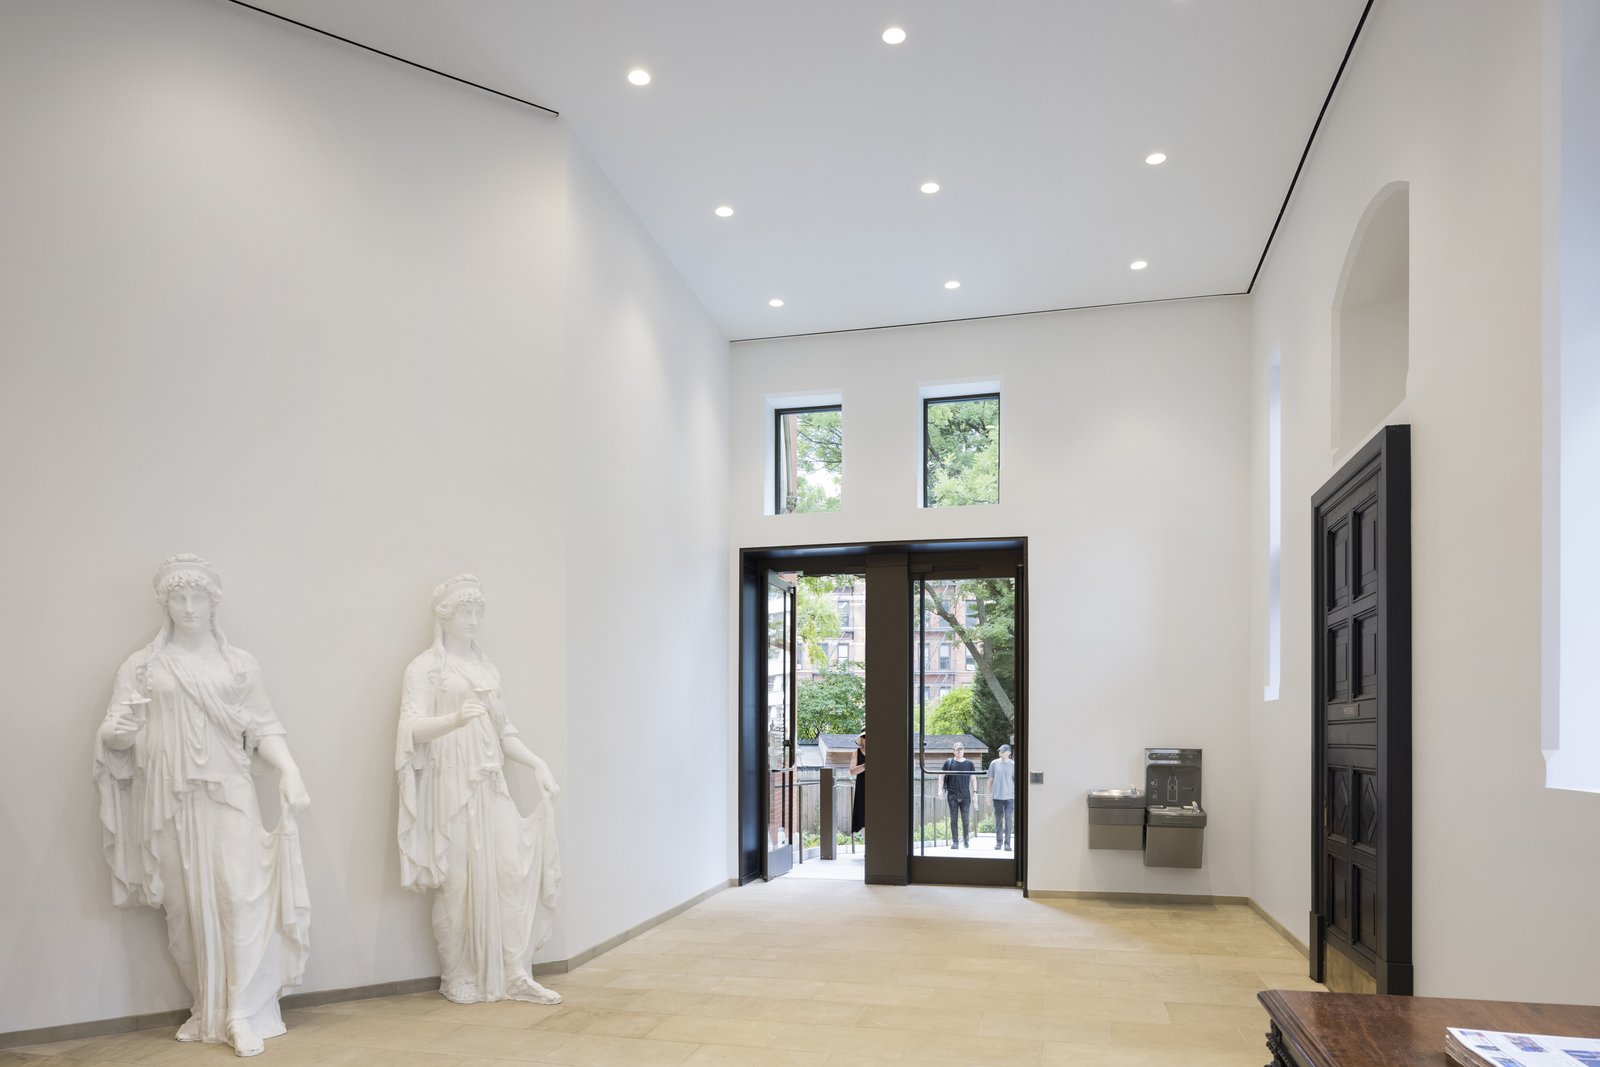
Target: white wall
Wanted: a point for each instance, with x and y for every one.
(647, 586)
(1124, 444)
(303, 310)
(1446, 96)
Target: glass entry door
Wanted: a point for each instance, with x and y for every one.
(781, 776)
(945, 625)
(964, 729)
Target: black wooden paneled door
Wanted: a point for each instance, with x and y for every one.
(1361, 781)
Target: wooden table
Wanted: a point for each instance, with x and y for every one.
(1361, 1030)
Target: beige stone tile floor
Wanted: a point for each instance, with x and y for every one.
(820, 972)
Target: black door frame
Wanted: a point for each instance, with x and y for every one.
(940, 566)
(789, 820)
(1388, 456)
(888, 566)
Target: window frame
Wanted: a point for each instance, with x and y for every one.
(956, 398)
(777, 453)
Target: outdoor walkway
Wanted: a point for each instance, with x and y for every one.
(832, 973)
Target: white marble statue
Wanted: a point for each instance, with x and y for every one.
(183, 829)
(495, 872)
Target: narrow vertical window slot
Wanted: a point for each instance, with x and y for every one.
(1274, 524)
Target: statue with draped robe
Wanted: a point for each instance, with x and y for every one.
(494, 872)
(182, 826)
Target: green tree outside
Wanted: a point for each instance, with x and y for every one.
(834, 701)
(963, 443)
(982, 614)
(812, 446)
(953, 713)
(816, 617)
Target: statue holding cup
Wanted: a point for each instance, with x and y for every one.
(181, 823)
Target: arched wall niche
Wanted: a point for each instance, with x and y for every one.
(1372, 319)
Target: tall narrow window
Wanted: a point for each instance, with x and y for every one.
(1274, 523)
(961, 450)
(810, 459)
(1570, 723)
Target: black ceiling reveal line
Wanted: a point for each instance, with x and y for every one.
(1361, 22)
(391, 55)
(984, 318)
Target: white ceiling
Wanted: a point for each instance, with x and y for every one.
(1034, 116)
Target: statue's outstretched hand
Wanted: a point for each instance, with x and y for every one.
(547, 782)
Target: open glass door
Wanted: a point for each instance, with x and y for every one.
(781, 773)
(931, 617)
(965, 732)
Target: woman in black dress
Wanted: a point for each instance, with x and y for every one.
(858, 770)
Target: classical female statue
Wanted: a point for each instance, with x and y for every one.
(181, 823)
(494, 871)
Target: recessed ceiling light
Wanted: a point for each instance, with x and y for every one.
(1156, 158)
(952, 285)
(724, 211)
(774, 303)
(930, 187)
(893, 35)
(639, 76)
(1138, 264)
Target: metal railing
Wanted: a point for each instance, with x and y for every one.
(825, 794)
